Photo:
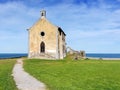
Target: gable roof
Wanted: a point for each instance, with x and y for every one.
(44, 17)
(60, 30)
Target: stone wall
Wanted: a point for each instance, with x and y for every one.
(49, 38)
(53, 40)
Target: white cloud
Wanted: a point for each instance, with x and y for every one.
(97, 26)
(104, 41)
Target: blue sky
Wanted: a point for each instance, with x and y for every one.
(90, 25)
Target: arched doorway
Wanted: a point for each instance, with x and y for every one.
(42, 47)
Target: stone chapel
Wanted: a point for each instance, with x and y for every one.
(46, 41)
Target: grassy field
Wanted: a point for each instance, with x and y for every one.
(6, 80)
(76, 75)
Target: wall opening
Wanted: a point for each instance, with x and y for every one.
(42, 47)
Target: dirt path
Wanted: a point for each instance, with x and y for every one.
(25, 81)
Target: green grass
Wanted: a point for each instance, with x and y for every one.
(76, 75)
(6, 80)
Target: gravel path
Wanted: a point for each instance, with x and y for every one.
(25, 81)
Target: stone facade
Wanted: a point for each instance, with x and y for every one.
(46, 41)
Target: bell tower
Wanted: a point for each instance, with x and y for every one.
(43, 13)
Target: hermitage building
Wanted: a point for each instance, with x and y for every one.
(46, 40)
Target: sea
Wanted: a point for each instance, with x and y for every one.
(94, 55)
(12, 55)
(103, 55)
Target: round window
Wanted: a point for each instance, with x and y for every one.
(42, 34)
